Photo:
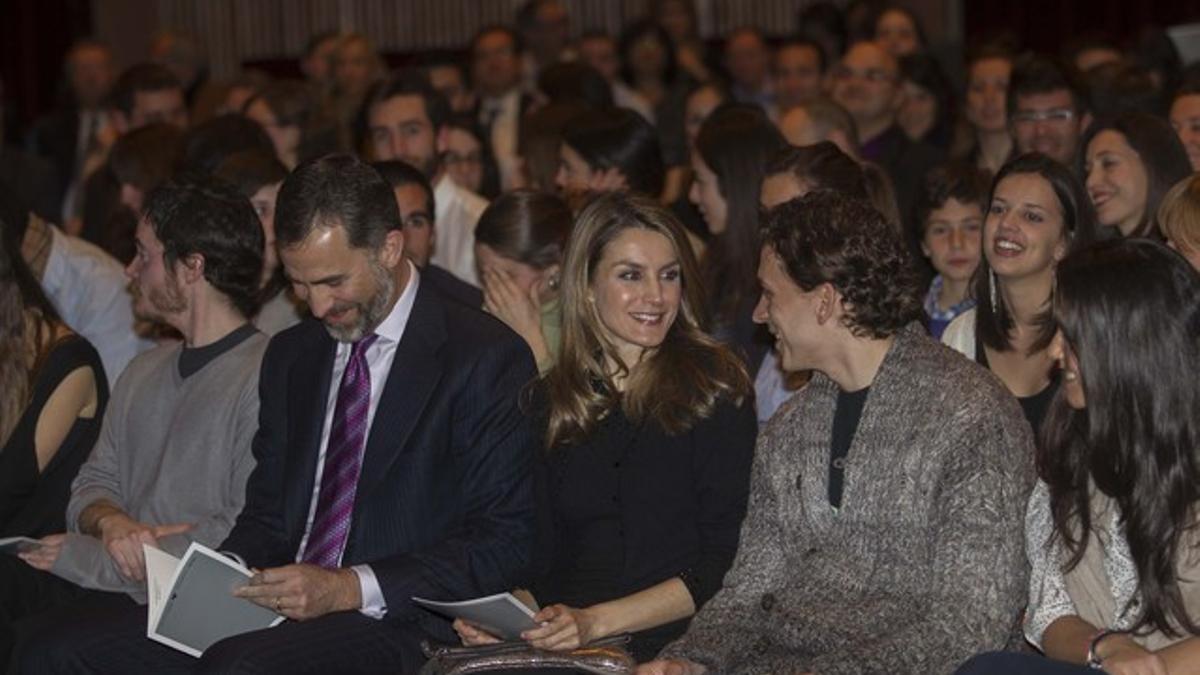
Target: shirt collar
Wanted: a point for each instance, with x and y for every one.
(393, 325)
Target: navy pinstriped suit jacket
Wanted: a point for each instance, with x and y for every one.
(444, 507)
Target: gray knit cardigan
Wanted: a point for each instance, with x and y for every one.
(922, 566)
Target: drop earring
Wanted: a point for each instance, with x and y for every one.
(992, 291)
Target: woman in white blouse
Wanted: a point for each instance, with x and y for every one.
(1111, 529)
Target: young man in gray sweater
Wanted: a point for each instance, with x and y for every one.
(171, 463)
(884, 531)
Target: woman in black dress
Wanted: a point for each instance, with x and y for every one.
(52, 398)
(650, 436)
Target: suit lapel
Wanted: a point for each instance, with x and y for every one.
(415, 372)
(308, 395)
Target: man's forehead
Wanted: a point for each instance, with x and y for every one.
(1055, 98)
(399, 108)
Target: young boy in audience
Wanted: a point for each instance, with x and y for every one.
(949, 226)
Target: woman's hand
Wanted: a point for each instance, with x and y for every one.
(563, 628)
(43, 557)
(1120, 655)
(472, 635)
(503, 299)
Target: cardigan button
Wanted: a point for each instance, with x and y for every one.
(768, 602)
(800, 482)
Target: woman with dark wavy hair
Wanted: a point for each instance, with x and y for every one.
(649, 440)
(1111, 528)
(1130, 162)
(1037, 213)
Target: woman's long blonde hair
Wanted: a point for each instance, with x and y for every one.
(677, 384)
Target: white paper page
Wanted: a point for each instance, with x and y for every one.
(501, 615)
(200, 607)
(160, 570)
(15, 545)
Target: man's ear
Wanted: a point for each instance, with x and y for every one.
(392, 251)
(829, 304)
(442, 139)
(191, 268)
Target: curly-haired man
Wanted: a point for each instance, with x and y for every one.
(884, 531)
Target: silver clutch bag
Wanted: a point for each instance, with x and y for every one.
(603, 657)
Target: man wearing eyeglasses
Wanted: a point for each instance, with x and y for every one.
(1047, 110)
(867, 84)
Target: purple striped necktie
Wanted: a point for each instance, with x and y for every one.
(343, 461)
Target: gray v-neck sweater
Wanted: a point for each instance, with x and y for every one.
(171, 450)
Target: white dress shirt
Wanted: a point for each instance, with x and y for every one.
(89, 289)
(456, 213)
(379, 357)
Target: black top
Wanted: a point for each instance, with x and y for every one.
(34, 504)
(1034, 406)
(633, 507)
(846, 415)
(193, 359)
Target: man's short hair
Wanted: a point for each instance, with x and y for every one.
(517, 42)
(828, 237)
(203, 215)
(961, 181)
(1038, 75)
(336, 190)
(398, 174)
(317, 40)
(207, 145)
(828, 115)
(801, 41)
(141, 78)
(252, 170)
(146, 157)
(414, 82)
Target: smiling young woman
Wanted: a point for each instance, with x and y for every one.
(1037, 213)
(1130, 161)
(650, 435)
(1111, 526)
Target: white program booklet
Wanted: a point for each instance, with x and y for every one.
(15, 545)
(191, 601)
(501, 615)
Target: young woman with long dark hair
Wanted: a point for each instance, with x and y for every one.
(1111, 528)
(1037, 213)
(52, 396)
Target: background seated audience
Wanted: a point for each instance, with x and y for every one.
(948, 230)
(519, 247)
(533, 174)
(1128, 162)
(728, 165)
(1179, 219)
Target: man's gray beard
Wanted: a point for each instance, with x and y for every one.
(373, 312)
